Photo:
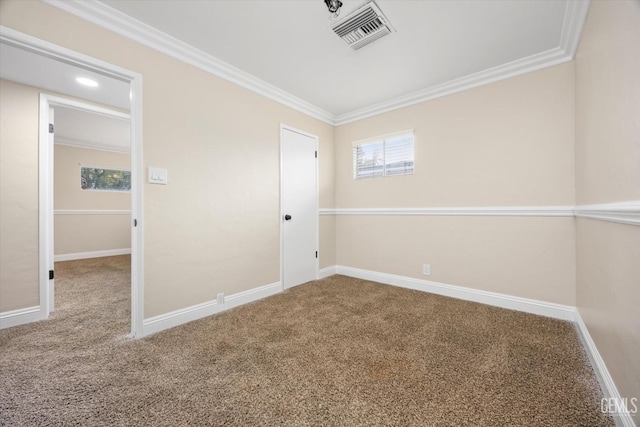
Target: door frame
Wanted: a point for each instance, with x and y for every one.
(59, 53)
(46, 181)
(283, 128)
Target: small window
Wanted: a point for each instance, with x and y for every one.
(388, 155)
(103, 179)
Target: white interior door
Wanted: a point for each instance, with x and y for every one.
(299, 206)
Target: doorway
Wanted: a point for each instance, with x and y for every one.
(90, 185)
(298, 206)
(52, 68)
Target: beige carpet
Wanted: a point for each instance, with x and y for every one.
(339, 351)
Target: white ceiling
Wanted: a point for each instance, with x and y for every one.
(26, 67)
(289, 44)
(91, 130)
(285, 49)
(72, 126)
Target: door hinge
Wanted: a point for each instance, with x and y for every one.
(135, 222)
(50, 274)
(316, 254)
(50, 127)
(316, 154)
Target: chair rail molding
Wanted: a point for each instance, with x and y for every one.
(562, 211)
(92, 212)
(621, 212)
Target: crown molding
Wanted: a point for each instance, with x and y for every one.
(113, 20)
(116, 21)
(574, 19)
(90, 146)
(521, 66)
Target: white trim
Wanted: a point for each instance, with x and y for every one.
(609, 389)
(622, 213)
(85, 106)
(515, 68)
(124, 25)
(92, 254)
(323, 273)
(562, 211)
(9, 319)
(69, 142)
(574, 18)
(45, 48)
(137, 208)
(91, 212)
(178, 317)
(541, 308)
(45, 206)
(251, 295)
(48, 49)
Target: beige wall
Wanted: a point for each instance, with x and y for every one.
(607, 102)
(68, 195)
(18, 196)
(215, 227)
(608, 294)
(521, 256)
(504, 144)
(78, 234)
(608, 170)
(88, 233)
(508, 143)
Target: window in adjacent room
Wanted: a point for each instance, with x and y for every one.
(388, 155)
(104, 179)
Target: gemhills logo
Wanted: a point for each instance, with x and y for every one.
(619, 406)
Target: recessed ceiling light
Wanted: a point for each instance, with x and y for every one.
(84, 81)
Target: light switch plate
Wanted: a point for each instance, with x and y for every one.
(158, 176)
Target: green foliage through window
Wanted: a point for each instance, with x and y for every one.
(105, 179)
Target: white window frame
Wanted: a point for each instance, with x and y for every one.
(382, 139)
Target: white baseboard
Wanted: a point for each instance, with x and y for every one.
(609, 389)
(526, 305)
(198, 311)
(326, 272)
(255, 294)
(94, 254)
(19, 317)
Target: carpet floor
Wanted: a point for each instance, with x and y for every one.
(335, 352)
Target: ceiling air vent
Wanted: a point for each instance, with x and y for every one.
(365, 25)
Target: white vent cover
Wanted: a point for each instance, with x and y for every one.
(365, 25)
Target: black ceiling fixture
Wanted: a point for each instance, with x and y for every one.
(334, 6)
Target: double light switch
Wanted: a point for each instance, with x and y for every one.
(158, 176)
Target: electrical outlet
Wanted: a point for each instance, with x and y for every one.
(220, 299)
(426, 269)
